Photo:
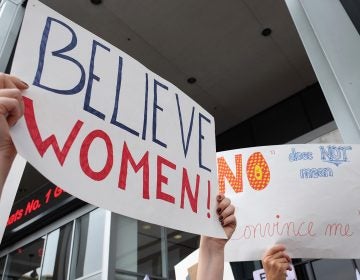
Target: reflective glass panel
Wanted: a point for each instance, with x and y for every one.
(137, 249)
(357, 263)
(2, 265)
(88, 244)
(24, 263)
(180, 245)
(57, 252)
(334, 270)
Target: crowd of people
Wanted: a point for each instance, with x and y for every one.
(211, 258)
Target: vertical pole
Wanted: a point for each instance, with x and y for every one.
(11, 16)
(164, 253)
(333, 51)
(106, 273)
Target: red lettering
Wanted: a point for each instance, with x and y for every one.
(32, 206)
(43, 145)
(15, 217)
(161, 179)
(143, 163)
(57, 192)
(84, 153)
(193, 198)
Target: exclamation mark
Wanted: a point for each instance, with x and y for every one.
(208, 199)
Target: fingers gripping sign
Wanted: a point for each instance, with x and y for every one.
(11, 110)
(226, 215)
(11, 107)
(211, 256)
(276, 262)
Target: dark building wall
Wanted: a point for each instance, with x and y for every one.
(352, 7)
(281, 123)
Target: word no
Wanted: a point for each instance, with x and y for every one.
(257, 171)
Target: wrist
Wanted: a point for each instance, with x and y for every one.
(7, 156)
(213, 245)
(6, 159)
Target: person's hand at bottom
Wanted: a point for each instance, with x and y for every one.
(276, 263)
(211, 255)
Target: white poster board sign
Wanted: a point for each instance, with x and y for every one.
(182, 268)
(111, 132)
(8, 194)
(303, 196)
(260, 274)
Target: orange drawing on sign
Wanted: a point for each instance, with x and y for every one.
(258, 171)
(224, 171)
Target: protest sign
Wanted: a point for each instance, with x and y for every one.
(109, 131)
(8, 193)
(186, 269)
(261, 275)
(303, 196)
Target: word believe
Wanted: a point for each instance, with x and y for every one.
(142, 115)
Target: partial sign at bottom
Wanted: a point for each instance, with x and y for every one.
(260, 274)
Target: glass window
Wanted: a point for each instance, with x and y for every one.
(180, 245)
(334, 270)
(243, 270)
(88, 244)
(137, 249)
(2, 263)
(57, 252)
(357, 264)
(24, 263)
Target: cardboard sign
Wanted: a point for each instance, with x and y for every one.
(261, 275)
(8, 193)
(110, 131)
(303, 196)
(186, 269)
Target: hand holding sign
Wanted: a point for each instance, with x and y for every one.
(11, 109)
(211, 252)
(276, 262)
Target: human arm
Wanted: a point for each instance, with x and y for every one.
(211, 251)
(11, 110)
(276, 262)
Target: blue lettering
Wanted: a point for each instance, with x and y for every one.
(116, 105)
(201, 137)
(145, 106)
(185, 145)
(295, 156)
(308, 173)
(92, 77)
(335, 155)
(155, 108)
(60, 54)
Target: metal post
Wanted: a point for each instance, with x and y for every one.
(333, 49)
(164, 253)
(11, 16)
